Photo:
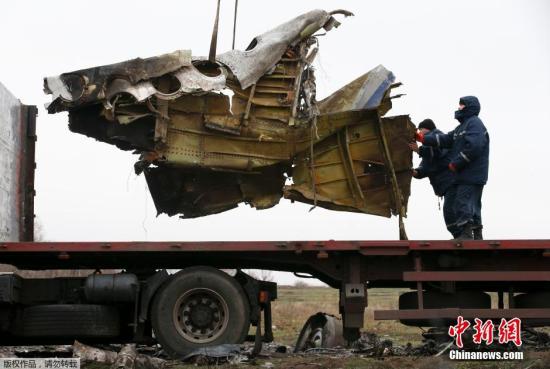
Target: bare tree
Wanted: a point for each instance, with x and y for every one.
(301, 284)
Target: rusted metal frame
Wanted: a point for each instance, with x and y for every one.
(353, 294)
(357, 176)
(255, 156)
(329, 245)
(332, 163)
(161, 123)
(334, 124)
(297, 83)
(272, 91)
(394, 250)
(26, 172)
(249, 104)
(312, 162)
(329, 266)
(209, 134)
(324, 151)
(363, 139)
(480, 245)
(452, 313)
(397, 196)
(333, 181)
(347, 163)
(419, 287)
(279, 76)
(471, 276)
(174, 246)
(203, 154)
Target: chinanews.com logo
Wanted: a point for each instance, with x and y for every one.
(509, 331)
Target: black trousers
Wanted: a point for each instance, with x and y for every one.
(463, 204)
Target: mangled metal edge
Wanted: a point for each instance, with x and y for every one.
(212, 135)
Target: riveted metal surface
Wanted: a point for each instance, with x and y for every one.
(233, 129)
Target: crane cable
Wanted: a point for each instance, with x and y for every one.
(235, 24)
(214, 40)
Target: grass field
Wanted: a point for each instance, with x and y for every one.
(296, 304)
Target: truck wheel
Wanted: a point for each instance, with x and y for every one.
(70, 321)
(440, 300)
(199, 306)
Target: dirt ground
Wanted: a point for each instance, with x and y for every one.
(384, 344)
(296, 304)
(534, 360)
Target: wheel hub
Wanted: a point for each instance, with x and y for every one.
(201, 315)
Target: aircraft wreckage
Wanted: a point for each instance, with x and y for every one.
(246, 126)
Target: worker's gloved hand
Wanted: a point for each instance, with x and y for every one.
(413, 146)
(419, 136)
(452, 167)
(415, 173)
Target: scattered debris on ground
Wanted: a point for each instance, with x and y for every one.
(126, 358)
(369, 346)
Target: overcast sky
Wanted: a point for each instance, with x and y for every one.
(440, 50)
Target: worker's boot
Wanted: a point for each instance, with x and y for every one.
(466, 234)
(478, 234)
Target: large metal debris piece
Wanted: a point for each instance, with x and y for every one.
(321, 330)
(213, 135)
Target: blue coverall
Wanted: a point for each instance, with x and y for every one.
(469, 145)
(434, 165)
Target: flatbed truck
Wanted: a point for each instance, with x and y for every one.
(201, 305)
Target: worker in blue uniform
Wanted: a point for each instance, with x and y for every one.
(469, 146)
(434, 165)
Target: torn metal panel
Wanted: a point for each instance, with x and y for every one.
(196, 193)
(365, 92)
(213, 135)
(187, 80)
(348, 171)
(87, 86)
(265, 50)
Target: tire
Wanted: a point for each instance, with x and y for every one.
(533, 300)
(72, 321)
(198, 307)
(439, 300)
(320, 331)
